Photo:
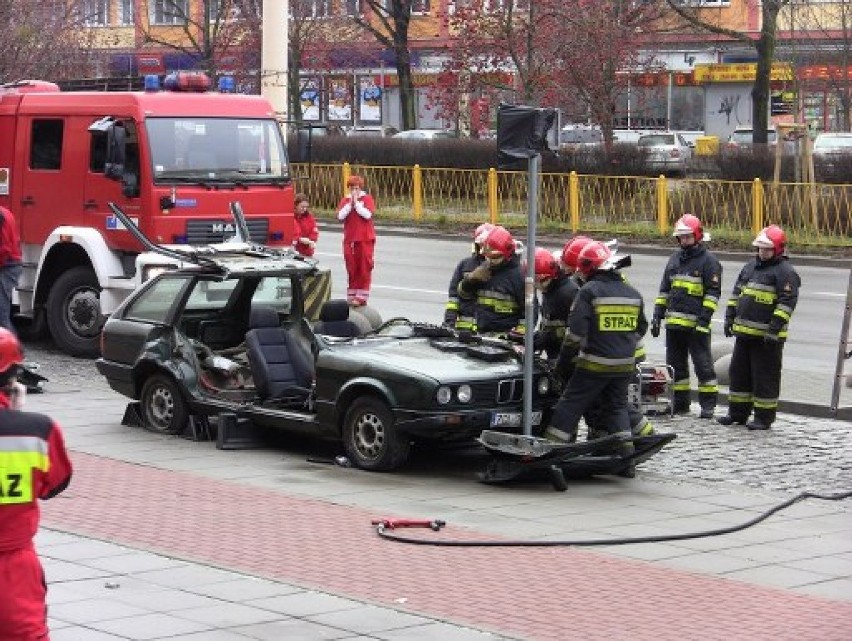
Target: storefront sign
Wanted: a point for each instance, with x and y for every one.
(369, 100)
(309, 98)
(739, 72)
(339, 99)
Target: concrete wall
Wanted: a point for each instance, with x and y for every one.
(726, 107)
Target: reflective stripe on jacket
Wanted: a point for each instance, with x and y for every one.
(764, 297)
(690, 288)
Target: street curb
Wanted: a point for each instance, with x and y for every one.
(810, 410)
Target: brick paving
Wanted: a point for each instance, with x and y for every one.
(538, 593)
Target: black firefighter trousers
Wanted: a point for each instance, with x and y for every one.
(586, 390)
(755, 379)
(680, 345)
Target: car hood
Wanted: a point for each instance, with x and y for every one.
(445, 361)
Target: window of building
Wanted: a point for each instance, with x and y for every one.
(352, 7)
(95, 12)
(125, 12)
(420, 7)
(165, 12)
(46, 144)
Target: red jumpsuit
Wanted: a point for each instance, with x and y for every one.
(306, 227)
(359, 242)
(33, 465)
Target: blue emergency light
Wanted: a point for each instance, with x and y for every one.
(227, 84)
(152, 82)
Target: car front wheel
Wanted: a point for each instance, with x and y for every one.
(164, 409)
(370, 437)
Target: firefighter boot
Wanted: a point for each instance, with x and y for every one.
(626, 450)
(730, 420)
(757, 424)
(681, 401)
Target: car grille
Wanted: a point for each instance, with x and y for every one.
(510, 390)
(207, 231)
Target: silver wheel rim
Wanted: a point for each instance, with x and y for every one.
(161, 408)
(369, 435)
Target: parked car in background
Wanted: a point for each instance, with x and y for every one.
(426, 134)
(666, 153)
(744, 136)
(831, 144)
(576, 138)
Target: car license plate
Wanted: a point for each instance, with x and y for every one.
(512, 419)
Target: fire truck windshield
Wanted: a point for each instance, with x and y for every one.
(190, 149)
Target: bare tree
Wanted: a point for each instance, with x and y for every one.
(764, 45)
(43, 39)
(393, 18)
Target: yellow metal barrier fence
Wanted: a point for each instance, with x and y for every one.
(814, 214)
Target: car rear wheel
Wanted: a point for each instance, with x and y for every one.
(370, 437)
(164, 409)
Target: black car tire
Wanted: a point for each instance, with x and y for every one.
(164, 409)
(370, 437)
(77, 285)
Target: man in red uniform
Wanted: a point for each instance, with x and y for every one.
(33, 465)
(10, 265)
(307, 232)
(359, 239)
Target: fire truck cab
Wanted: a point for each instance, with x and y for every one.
(173, 160)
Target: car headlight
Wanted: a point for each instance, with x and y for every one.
(464, 393)
(444, 395)
(543, 385)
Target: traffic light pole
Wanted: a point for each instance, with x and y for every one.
(533, 171)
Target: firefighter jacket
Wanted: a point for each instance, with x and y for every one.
(556, 304)
(33, 465)
(499, 301)
(459, 312)
(357, 218)
(605, 325)
(763, 300)
(690, 289)
(10, 243)
(306, 227)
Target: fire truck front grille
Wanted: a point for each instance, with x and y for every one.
(205, 232)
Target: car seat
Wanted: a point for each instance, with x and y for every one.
(334, 320)
(280, 368)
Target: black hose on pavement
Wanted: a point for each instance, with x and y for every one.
(384, 532)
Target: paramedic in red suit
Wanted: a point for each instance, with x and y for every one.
(33, 465)
(359, 239)
(10, 265)
(307, 232)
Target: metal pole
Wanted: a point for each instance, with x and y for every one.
(842, 349)
(529, 289)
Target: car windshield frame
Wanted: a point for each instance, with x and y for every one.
(201, 149)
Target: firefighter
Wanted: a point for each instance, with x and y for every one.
(496, 286)
(758, 314)
(558, 290)
(359, 239)
(689, 295)
(604, 327)
(33, 465)
(459, 313)
(10, 265)
(570, 253)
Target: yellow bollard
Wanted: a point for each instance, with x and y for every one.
(492, 196)
(417, 186)
(574, 200)
(662, 205)
(757, 207)
(347, 171)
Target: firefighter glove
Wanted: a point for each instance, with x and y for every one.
(729, 327)
(480, 275)
(655, 326)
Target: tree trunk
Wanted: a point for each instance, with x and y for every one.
(294, 109)
(406, 90)
(765, 47)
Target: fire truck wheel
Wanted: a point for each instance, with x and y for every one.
(163, 408)
(74, 312)
(370, 437)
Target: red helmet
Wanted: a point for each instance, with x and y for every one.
(546, 266)
(481, 233)
(689, 224)
(572, 250)
(772, 237)
(592, 258)
(499, 244)
(11, 353)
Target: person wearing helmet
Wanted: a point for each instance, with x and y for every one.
(356, 210)
(458, 313)
(604, 327)
(689, 295)
(10, 265)
(571, 252)
(558, 290)
(33, 465)
(496, 286)
(758, 314)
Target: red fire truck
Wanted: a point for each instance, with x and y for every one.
(173, 160)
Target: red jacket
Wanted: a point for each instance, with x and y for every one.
(306, 227)
(357, 220)
(33, 465)
(10, 242)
